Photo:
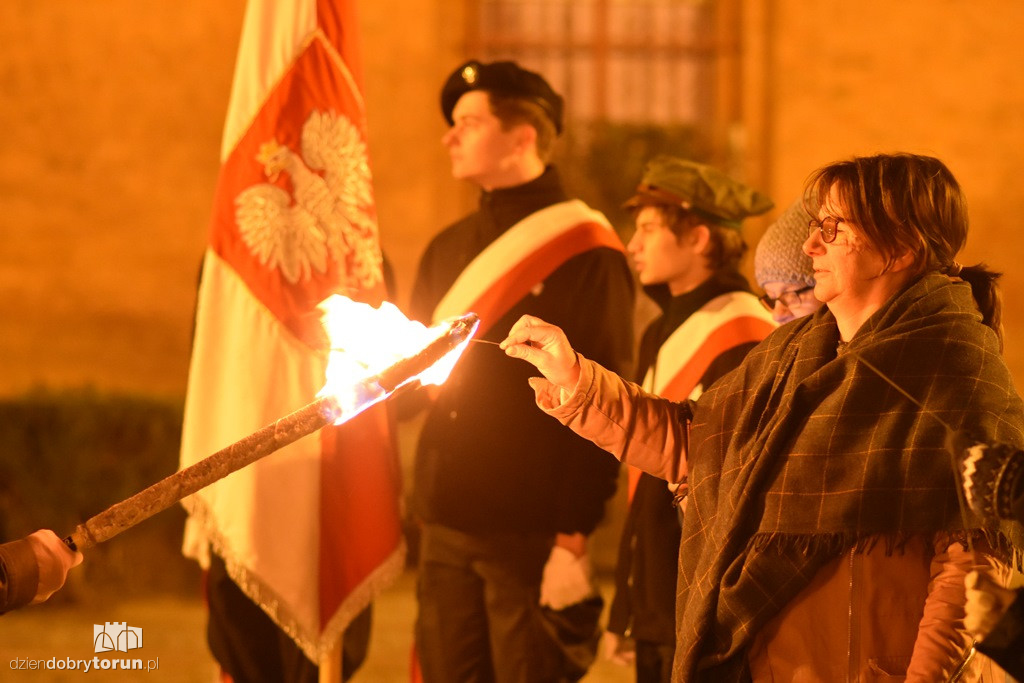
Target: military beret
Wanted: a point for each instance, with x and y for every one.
(501, 78)
(699, 188)
(780, 256)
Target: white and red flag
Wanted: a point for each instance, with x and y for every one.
(310, 533)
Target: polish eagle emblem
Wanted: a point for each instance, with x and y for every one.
(331, 215)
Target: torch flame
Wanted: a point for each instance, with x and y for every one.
(366, 341)
(374, 352)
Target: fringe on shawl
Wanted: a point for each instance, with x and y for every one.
(836, 544)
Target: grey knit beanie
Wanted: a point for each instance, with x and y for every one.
(779, 256)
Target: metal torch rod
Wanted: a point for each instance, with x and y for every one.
(173, 488)
(459, 330)
(288, 429)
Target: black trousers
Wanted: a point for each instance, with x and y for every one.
(479, 617)
(250, 647)
(653, 662)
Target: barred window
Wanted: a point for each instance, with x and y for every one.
(631, 61)
(640, 77)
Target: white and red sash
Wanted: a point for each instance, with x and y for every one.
(527, 253)
(726, 321)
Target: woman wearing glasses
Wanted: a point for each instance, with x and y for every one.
(783, 270)
(824, 539)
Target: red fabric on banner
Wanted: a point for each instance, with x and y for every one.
(337, 19)
(314, 83)
(350, 493)
(359, 527)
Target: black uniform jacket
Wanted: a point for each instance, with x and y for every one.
(490, 461)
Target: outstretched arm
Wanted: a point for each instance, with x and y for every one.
(638, 428)
(546, 347)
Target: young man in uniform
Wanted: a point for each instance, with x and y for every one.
(506, 497)
(686, 251)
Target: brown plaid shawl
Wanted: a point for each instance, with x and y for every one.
(802, 453)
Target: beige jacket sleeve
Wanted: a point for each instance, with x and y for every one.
(941, 639)
(638, 428)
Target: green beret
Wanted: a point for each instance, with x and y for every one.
(699, 188)
(501, 78)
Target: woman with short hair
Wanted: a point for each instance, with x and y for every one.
(824, 539)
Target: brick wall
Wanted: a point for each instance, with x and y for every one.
(112, 112)
(938, 77)
(111, 115)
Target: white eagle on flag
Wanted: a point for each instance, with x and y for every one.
(331, 213)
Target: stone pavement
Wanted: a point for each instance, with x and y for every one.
(174, 640)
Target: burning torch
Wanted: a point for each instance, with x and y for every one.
(448, 340)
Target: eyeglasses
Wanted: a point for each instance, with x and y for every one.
(788, 299)
(828, 228)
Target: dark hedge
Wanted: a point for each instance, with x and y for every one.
(67, 456)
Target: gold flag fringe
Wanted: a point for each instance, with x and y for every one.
(316, 646)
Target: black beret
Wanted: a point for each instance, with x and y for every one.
(501, 78)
